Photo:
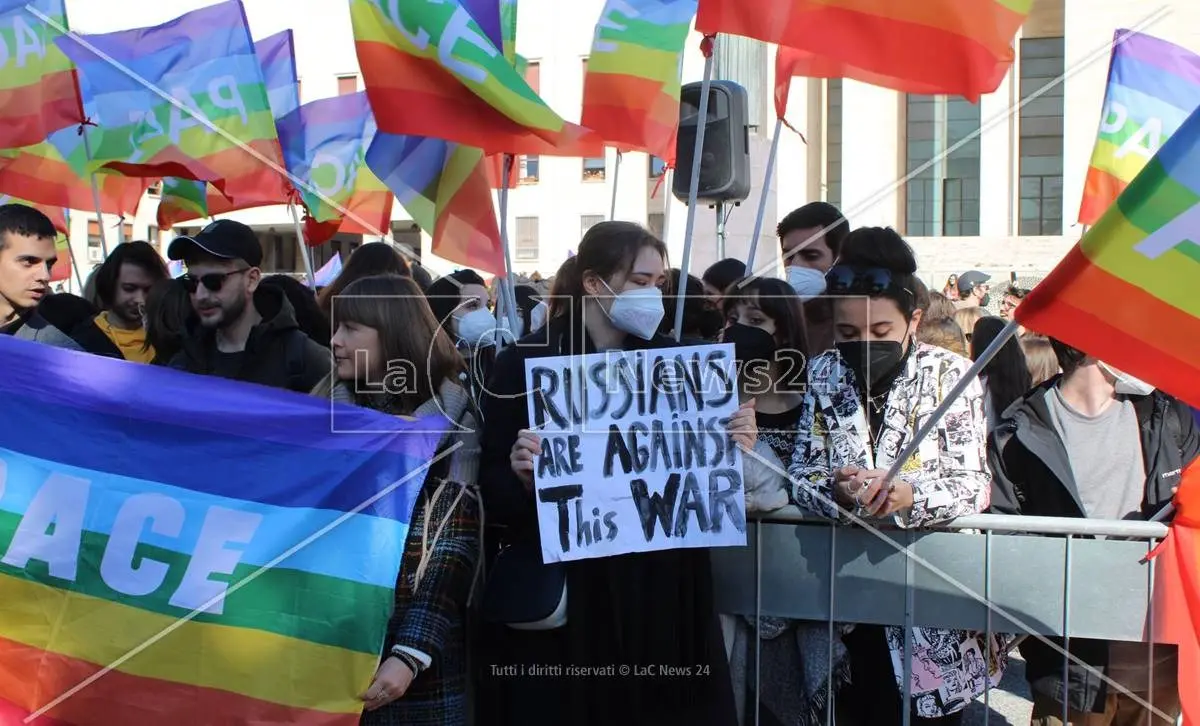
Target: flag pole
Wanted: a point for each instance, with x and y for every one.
(1006, 334)
(304, 251)
(666, 230)
(694, 184)
(762, 202)
(506, 285)
(87, 150)
(612, 211)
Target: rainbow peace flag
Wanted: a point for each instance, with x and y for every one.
(631, 89)
(965, 46)
(1126, 293)
(445, 188)
(323, 146)
(471, 94)
(1153, 86)
(203, 60)
(38, 91)
(234, 563)
(184, 199)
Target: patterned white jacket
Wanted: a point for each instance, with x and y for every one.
(949, 476)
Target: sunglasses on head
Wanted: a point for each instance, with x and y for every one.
(213, 281)
(848, 280)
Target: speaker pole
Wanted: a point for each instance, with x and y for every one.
(762, 201)
(720, 230)
(709, 45)
(612, 210)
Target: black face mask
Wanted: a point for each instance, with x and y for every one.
(985, 300)
(871, 360)
(751, 343)
(710, 323)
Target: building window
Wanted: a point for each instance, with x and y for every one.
(587, 221)
(155, 189)
(1041, 137)
(528, 164)
(744, 61)
(658, 167)
(593, 169)
(527, 238)
(942, 198)
(656, 223)
(347, 85)
(93, 233)
(833, 142)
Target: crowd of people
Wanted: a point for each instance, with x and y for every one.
(840, 363)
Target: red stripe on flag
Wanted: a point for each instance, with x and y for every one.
(28, 114)
(1176, 599)
(1086, 307)
(119, 699)
(865, 43)
(1100, 191)
(51, 182)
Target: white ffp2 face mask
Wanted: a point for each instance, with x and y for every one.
(537, 316)
(638, 311)
(807, 282)
(477, 328)
(1126, 384)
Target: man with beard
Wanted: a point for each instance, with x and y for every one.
(243, 331)
(122, 284)
(26, 256)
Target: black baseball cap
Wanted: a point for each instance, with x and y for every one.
(225, 239)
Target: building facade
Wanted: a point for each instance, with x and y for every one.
(993, 186)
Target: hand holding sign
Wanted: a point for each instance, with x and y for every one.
(743, 426)
(524, 453)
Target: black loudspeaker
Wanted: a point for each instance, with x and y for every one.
(725, 163)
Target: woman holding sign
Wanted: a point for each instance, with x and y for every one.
(864, 402)
(628, 639)
(391, 356)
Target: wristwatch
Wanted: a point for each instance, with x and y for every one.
(408, 659)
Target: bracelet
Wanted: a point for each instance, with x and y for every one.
(407, 659)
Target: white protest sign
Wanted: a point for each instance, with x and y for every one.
(635, 453)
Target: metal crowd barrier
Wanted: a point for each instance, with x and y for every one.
(1072, 578)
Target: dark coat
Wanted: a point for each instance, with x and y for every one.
(277, 353)
(1031, 474)
(630, 610)
(429, 614)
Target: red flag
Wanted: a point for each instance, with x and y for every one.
(1176, 599)
(959, 47)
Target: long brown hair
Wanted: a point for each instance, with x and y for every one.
(396, 308)
(373, 258)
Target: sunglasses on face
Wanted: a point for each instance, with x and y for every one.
(213, 281)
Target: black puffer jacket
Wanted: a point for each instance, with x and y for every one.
(277, 353)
